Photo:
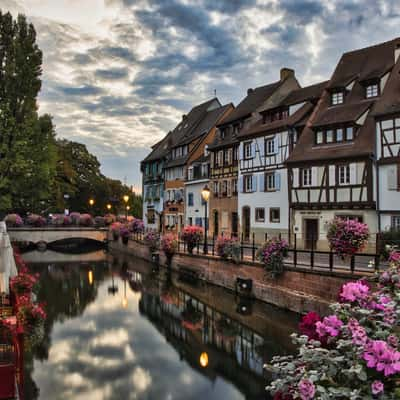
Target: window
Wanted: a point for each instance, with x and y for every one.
(339, 135)
(260, 214)
(349, 133)
(270, 146)
(329, 136)
(228, 157)
(224, 188)
(190, 173)
(344, 174)
(190, 221)
(396, 222)
(337, 98)
(220, 156)
(234, 187)
(274, 215)
(190, 199)
(247, 150)
(248, 183)
(269, 182)
(306, 177)
(222, 133)
(372, 90)
(320, 137)
(215, 189)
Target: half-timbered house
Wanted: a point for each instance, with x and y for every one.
(224, 217)
(264, 147)
(331, 169)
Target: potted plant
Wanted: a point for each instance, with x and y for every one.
(137, 226)
(169, 245)
(272, 254)
(228, 248)
(13, 221)
(75, 217)
(124, 233)
(115, 228)
(347, 236)
(23, 284)
(36, 220)
(192, 235)
(152, 240)
(86, 220)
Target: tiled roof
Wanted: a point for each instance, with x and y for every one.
(253, 100)
(308, 93)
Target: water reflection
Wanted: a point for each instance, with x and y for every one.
(116, 330)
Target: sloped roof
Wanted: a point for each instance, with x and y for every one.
(253, 100)
(308, 93)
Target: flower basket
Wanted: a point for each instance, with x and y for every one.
(228, 248)
(13, 220)
(152, 240)
(192, 235)
(347, 236)
(75, 217)
(86, 220)
(169, 245)
(272, 254)
(36, 220)
(137, 226)
(115, 228)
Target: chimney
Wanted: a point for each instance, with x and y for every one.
(397, 52)
(250, 90)
(286, 73)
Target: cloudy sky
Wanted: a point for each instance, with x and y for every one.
(118, 74)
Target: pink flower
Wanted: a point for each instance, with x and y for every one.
(306, 389)
(330, 326)
(382, 357)
(354, 291)
(307, 325)
(377, 387)
(358, 333)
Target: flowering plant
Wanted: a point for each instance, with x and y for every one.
(30, 315)
(86, 220)
(115, 228)
(99, 221)
(23, 283)
(191, 235)
(353, 353)
(137, 225)
(347, 236)
(152, 239)
(75, 217)
(228, 248)
(13, 220)
(124, 232)
(109, 219)
(36, 220)
(169, 244)
(272, 254)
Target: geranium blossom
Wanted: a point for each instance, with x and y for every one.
(377, 387)
(382, 357)
(306, 389)
(329, 326)
(354, 291)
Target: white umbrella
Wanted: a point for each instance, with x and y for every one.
(8, 269)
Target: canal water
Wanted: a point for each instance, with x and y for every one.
(116, 329)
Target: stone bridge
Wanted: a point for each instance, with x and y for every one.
(47, 235)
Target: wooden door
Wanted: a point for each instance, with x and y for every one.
(216, 227)
(311, 233)
(235, 223)
(246, 223)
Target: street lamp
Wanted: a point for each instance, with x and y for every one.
(205, 194)
(126, 199)
(108, 206)
(203, 359)
(91, 203)
(125, 299)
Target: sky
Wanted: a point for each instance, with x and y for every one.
(119, 74)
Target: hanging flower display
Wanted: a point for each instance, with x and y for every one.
(23, 283)
(272, 254)
(354, 353)
(228, 248)
(114, 229)
(137, 225)
(192, 235)
(13, 220)
(36, 220)
(86, 220)
(152, 240)
(75, 217)
(347, 236)
(169, 245)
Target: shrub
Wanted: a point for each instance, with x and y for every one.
(36, 220)
(192, 235)
(13, 220)
(86, 220)
(354, 352)
(228, 248)
(272, 253)
(347, 236)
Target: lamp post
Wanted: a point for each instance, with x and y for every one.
(127, 210)
(205, 194)
(126, 199)
(109, 207)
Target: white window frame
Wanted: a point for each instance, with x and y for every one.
(270, 146)
(247, 150)
(257, 217)
(248, 183)
(344, 174)
(337, 98)
(372, 90)
(270, 184)
(306, 177)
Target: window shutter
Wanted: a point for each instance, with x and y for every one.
(253, 149)
(314, 176)
(261, 148)
(254, 183)
(392, 177)
(241, 184)
(295, 174)
(353, 174)
(332, 175)
(277, 180)
(262, 183)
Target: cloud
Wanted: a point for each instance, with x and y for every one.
(118, 75)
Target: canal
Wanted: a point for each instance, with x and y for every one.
(116, 329)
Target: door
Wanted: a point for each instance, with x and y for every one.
(216, 226)
(235, 223)
(311, 233)
(246, 223)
